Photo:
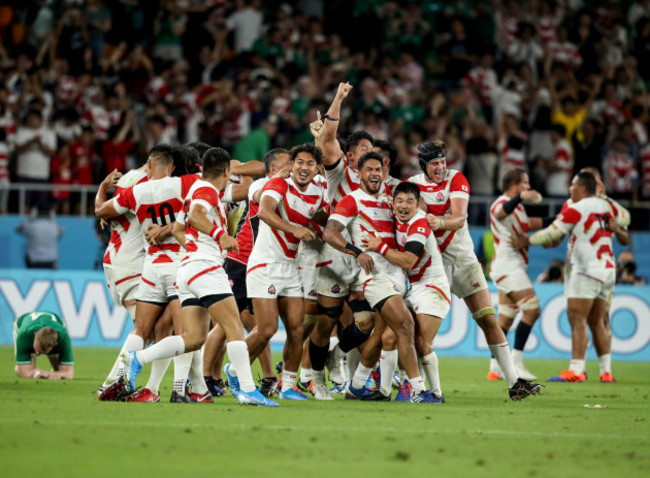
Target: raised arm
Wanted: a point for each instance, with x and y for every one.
(331, 148)
(104, 208)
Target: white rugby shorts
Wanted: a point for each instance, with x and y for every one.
(380, 287)
(512, 282)
(199, 279)
(158, 283)
(273, 280)
(465, 280)
(583, 286)
(122, 283)
(337, 273)
(430, 297)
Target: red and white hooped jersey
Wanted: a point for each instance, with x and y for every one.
(248, 232)
(157, 201)
(201, 246)
(362, 214)
(125, 248)
(390, 184)
(456, 246)
(429, 264)
(506, 258)
(341, 181)
(294, 206)
(590, 240)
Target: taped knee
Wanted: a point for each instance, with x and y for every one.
(529, 303)
(361, 310)
(509, 311)
(479, 314)
(331, 312)
(363, 316)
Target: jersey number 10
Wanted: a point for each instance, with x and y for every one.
(165, 210)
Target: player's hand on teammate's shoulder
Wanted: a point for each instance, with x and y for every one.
(111, 180)
(366, 262)
(283, 174)
(371, 242)
(433, 221)
(531, 195)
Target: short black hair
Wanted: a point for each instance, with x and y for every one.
(587, 180)
(163, 154)
(200, 147)
(388, 150)
(271, 155)
(185, 160)
(356, 137)
(215, 162)
(407, 188)
(369, 156)
(310, 148)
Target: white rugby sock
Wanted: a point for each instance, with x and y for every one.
(354, 357)
(518, 357)
(387, 365)
(494, 366)
(605, 361)
(361, 376)
(430, 365)
(402, 376)
(196, 373)
(132, 342)
(578, 366)
(288, 379)
(240, 361)
(334, 341)
(166, 348)
(182, 364)
(501, 352)
(306, 374)
(417, 384)
(158, 370)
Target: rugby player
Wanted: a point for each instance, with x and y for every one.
(445, 194)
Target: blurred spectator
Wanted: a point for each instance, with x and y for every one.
(620, 174)
(35, 144)
(626, 270)
(62, 176)
(246, 23)
(255, 144)
(553, 273)
(42, 232)
(121, 139)
(560, 167)
(4, 172)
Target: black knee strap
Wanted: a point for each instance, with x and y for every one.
(331, 312)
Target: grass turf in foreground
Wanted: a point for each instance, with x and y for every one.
(58, 428)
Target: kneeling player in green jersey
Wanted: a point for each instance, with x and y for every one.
(42, 333)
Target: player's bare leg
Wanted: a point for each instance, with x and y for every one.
(311, 317)
(597, 321)
(370, 354)
(483, 313)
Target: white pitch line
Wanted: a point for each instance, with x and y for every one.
(254, 426)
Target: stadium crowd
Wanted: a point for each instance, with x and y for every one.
(552, 85)
(540, 98)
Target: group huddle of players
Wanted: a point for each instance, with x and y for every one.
(359, 266)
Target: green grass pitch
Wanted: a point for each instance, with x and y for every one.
(60, 429)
